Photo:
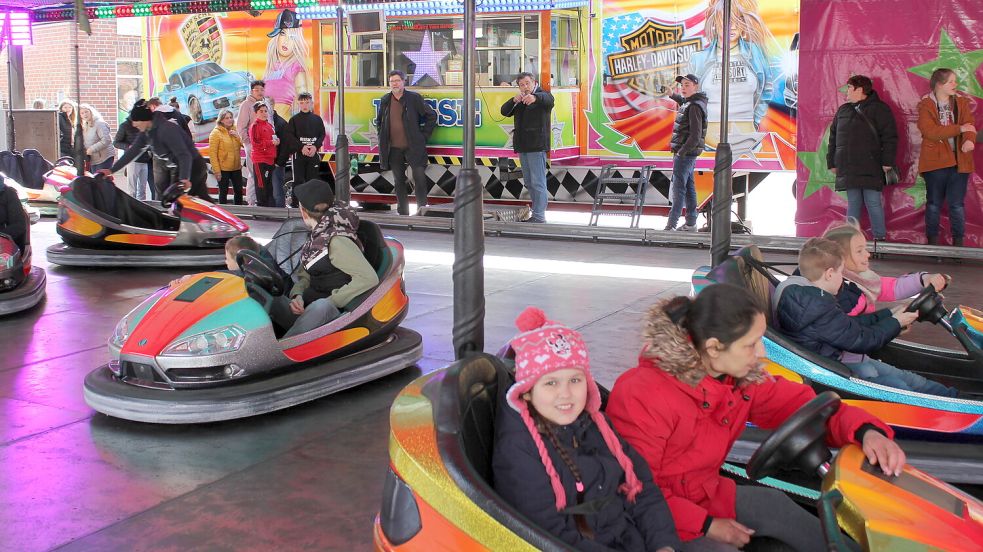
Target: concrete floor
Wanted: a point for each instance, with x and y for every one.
(306, 478)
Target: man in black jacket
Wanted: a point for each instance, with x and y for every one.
(171, 146)
(689, 134)
(308, 130)
(139, 173)
(863, 143)
(531, 107)
(405, 123)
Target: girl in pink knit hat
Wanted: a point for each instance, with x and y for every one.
(556, 458)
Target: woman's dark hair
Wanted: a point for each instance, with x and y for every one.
(939, 76)
(862, 82)
(256, 83)
(723, 311)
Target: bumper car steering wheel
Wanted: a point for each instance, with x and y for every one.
(800, 440)
(170, 195)
(928, 304)
(259, 273)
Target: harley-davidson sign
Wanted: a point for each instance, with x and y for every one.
(653, 56)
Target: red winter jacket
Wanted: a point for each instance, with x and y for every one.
(685, 431)
(261, 137)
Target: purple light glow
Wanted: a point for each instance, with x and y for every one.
(17, 28)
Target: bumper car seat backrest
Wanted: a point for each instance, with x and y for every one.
(97, 194)
(33, 168)
(10, 165)
(285, 247)
(373, 242)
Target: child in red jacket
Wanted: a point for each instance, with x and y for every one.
(698, 382)
(264, 142)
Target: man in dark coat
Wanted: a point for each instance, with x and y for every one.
(531, 108)
(140, 173)
(405, 123)
(863, 143)
(689, 134)
(171, 147)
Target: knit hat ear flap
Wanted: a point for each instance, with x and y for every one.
(632, 486)
(544, 456)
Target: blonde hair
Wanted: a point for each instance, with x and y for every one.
(74, 115)
(817, 256)
(298, 50)
(96, 116)
(745, 21)
(844, 233)
(221, 115)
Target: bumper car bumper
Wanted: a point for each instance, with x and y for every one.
(26, 295)
(292, 386)
(68, 255)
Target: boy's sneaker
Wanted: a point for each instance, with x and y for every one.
(687, 228)
(669, 228)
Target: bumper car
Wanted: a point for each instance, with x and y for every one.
(102, 225)
(941, 435)
(438, 496)
(205, 350)
(21, 285)
(38, 181)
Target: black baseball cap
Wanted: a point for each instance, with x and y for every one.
(314, 192)
(690, 77)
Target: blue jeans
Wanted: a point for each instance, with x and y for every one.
(682, 189)
(279, 194)
(136, 177)
(534, 177)
(947, 185)
(882, 373)
(857, 198)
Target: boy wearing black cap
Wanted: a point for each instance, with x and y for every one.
(688, 140)
(333, 271)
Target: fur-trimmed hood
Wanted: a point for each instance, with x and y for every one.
(669, 347)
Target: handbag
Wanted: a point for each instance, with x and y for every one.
(891, 176)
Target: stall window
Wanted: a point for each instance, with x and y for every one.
(129, 86)
(364, 58)
(565, 49)
(506, 46)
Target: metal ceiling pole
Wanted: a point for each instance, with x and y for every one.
(78, 144)
(723, 160)
(469, 237)
(342, 175)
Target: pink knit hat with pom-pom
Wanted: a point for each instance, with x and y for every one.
(545, 346)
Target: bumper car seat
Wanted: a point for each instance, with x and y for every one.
(33, 168)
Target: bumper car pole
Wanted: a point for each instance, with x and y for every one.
(78, 147)
(469, 237)
(723, 161)
(342, 162)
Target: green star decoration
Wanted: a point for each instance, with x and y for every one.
(963, 63)
(917, 192)
(819, 176)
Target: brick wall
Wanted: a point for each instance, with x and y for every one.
(49, 65)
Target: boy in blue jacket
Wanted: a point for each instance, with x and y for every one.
(806, 311)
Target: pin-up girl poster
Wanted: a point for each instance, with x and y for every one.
(286, 74)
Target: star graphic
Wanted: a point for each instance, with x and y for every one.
(427, 60)
(507, 129)
(372, 135)
(963, 63)
(917, 193)
(819, 176)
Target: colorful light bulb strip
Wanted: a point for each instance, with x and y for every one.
(185, 7)
(438, 7)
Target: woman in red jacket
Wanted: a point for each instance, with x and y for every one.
(264, 142)
(702, 361)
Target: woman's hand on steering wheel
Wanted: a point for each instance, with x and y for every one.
(883, 452)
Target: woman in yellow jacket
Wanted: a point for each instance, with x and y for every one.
(223, 152)
(948, 129)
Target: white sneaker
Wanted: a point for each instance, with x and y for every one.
(687, 228)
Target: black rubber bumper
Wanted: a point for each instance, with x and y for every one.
(67, 255)
(286, 388)
(26, 295)
(959, 462)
